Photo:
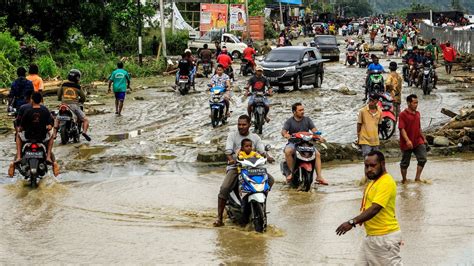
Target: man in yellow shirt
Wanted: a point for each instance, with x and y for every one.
(370, 116)
(382, 244)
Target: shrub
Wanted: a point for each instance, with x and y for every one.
(7, 71)
(177, 43)
(93, 50)
(9, 46)
(47, 67)
(269, 31)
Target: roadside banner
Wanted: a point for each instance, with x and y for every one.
(238, 18)
(213, 16)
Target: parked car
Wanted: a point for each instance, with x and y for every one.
(233, 44)
(327, 46)
(294, 66)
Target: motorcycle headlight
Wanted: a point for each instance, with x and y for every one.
(216, 100)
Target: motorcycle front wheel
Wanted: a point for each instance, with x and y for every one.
(214, 117)
(307, 178)
(258, 216)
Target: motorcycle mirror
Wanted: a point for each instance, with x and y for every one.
(268, 147)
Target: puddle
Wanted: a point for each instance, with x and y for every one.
(123, 136)
(86, 152)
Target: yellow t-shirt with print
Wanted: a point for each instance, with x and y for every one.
(383, 192)
(252, 154)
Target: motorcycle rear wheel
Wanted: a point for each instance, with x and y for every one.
(33, 183)
(258, 216)
(64, 135)
(387, 128)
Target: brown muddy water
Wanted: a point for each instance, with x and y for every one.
(136, 194)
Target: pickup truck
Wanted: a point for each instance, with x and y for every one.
(234, 46)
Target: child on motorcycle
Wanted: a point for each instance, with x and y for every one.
(247, 151)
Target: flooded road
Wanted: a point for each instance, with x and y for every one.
(137, 214)
(136, 194)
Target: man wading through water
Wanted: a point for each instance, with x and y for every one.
(232, 147)
(381, 245)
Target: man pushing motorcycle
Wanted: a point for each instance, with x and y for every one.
(258, 83)
(300, 123)
(233, 145)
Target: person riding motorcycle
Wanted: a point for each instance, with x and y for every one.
(34, 124)
(19, 89)
(205, 56)
(72, 94)
(351, 47)
(258, 83)
(427, 62)
(186, 66)
(224, 59)
(299, 123)
(249, 54)
(223, 80)
(373, 67)
(407, 58)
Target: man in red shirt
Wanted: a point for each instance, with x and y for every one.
(249, 54)
(412, 139)
(449, 54)
(224, 59)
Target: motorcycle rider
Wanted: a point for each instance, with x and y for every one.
(427, 62)
(300, 123)
(351, 47)
(35, 124)
(249, 54)
(20, 88)
(373, 67)
(409, 56)
(223, 80)
(233, 145)
(258, 83)
(186, 66)
(205, 56)
(225, 60)
(72, 94)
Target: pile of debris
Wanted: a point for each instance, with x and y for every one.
(458, 131)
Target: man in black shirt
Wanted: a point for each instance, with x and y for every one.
(35, 124)
(258, 83)
(20, 90)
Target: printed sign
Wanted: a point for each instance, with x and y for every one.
(213, 16)
(238, 18)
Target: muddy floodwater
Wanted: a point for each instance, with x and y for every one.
(136, 193)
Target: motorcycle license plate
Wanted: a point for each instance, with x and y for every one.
(183, 81)
(257, 171)
(426, 72)
(64, 118)
(33, 154)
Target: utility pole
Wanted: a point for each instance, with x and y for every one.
(173, 19)
(140, 59)
(281, 14)
(163, 32)
(248, 18)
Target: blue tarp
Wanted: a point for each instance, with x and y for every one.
(294, 2)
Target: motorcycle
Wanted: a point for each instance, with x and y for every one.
(351, 57)
(363, 59)
(388, 126)
(33, 163)
(70, 127)
(259, 111)
(376, 83)
(229, 71)
(206, 67)
(217, 105)
(427, 81)
(305, 163)
(407, 68)
(184, 84)
(246, 67)
(247, 201)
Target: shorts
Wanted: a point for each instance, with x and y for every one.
(447, 63)
(265, 100)
(77, 111)
(366, 149)
(381, 250)
(120, 96)
(420, 153)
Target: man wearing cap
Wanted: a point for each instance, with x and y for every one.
(258, 83)
(368, 121)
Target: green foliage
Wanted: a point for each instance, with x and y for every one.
(7, 73)
(177, 43)
(9, 47)
(47, 67)
(94, 49)
(41, 46)
(355, 8)
(269, 31)
(257, 7)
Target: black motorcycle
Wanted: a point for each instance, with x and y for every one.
(246, 67)
(206, 68)
(33, 163)
(259, 111)
(229, 71)
(427, 81)
(70, 127)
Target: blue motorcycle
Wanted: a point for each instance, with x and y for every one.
(247, 201)
(217, 104)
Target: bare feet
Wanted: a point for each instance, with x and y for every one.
(404, 181)
(321, 181)
(55, 169)
(288, 178)
(11, 169)
(218, 223)
(267, 119)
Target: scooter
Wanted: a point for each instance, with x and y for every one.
(351, 57)
(427, 81)
(389, 121)
(229, 71)
(247, 201)
(206, 67)
(217, 105)
(376, 83)
(363, 59)
(70, 127)
(246, 67)
(184, 84)
(33, 162)
(305, 161)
